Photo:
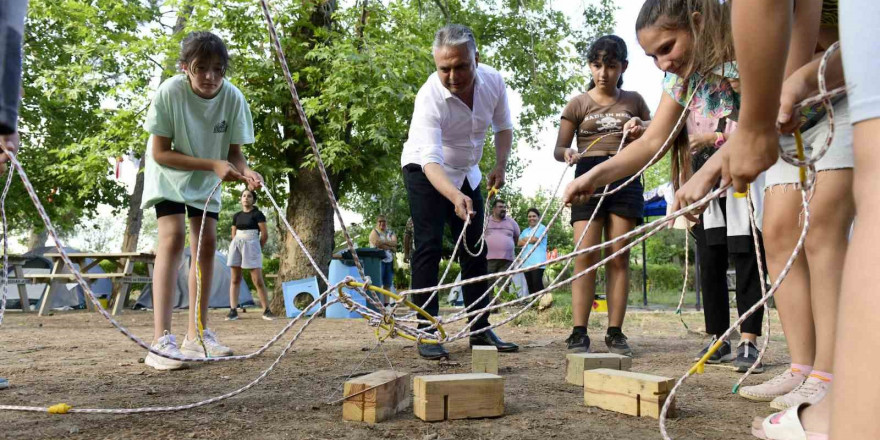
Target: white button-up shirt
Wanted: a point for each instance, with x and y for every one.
(445, 130)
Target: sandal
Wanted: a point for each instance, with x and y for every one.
(784, 425)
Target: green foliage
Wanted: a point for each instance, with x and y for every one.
(666, 247)
(81, 56)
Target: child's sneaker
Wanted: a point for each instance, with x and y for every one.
(168, 345)
(616, 343)
(193, 348)
(268, 316)
(780, 385)
(3, 383)
(810, 391)
(578, 342)
(746, 355)
(723, 354)
(232, 315)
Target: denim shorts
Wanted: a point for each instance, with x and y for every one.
(387, 274)
(839, 155)
(628, 202)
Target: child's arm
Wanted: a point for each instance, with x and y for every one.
(632, 158)
(761, 32)
(805, 83)
(234, 230)
(264, 234)
(563, 151)
(164, 155)
(804, 34)
(236, 158)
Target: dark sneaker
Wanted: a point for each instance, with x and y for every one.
(723, 354)
(746, 355)
(268, 316)
(578, 342)
(232, 315)
(3, 383)
(617, 344)
(433, 352)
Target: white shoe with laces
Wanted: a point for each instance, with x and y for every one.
(166, 344)
(811, 391)
(193, 348)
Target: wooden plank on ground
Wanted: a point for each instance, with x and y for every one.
(458, 396)
(627, 392)
(387, 393)
(577, 363)
(484, 359)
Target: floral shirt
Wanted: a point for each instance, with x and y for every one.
(713, 96)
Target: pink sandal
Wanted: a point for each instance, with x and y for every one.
(785, 425)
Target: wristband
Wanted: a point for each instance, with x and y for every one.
(719, 139)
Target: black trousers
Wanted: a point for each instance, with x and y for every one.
(535, 280)
(430, 213)
(713, 280)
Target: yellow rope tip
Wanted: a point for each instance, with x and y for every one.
(61, 408)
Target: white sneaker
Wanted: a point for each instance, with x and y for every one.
(811, 391)
(168, 345)
(193, 348)
(782, 384)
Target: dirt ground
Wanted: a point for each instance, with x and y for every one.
(79, 359)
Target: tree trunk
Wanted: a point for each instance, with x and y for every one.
(37, 239)
(135, 213)
(311, 216)
(308, 207)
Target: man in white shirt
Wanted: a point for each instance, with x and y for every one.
(440, 160)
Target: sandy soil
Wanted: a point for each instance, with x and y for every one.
(78, 358)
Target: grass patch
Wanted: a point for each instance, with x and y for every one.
(560, 314)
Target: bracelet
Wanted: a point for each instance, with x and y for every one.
(719, 139)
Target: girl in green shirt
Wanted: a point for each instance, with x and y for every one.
(197, 122)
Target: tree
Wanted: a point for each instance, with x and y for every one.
(79, 55)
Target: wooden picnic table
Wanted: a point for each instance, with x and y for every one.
(122, 279)
(17, 278)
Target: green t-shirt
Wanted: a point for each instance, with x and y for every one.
(198, 127)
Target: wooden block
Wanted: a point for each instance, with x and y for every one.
(626, 392)
(580, 362)
(388, 392)
(458, 396)
(484, 359)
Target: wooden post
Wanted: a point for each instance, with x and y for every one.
(46, 299)
(580, 362)
(458, 396)
(122, 288)
(484, 359)
(22, 289)
(376, 396)
(636, 394)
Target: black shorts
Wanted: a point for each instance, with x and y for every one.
(628, 202)
(167, 207)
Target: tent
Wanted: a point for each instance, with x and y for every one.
(219, 286)
(63, 295)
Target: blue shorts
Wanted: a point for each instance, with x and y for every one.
(387, 274)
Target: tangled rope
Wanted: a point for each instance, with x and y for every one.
(387, 321)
